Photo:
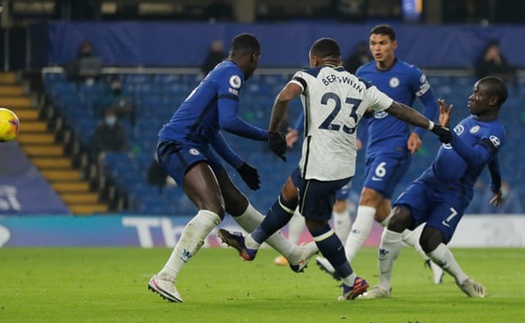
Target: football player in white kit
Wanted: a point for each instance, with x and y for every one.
(334, 101)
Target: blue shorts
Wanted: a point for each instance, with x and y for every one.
(384, 172)
(316, 198)
(178, 158)
(440, 209)
(344, 192)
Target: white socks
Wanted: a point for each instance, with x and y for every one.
(360, 231)
(443, 257)
(191, 239)
(411, 238)
(250, 219)
(295, 227)
(342, 224)
(388, 253)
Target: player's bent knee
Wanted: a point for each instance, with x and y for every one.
(430, 239)
(401, 219)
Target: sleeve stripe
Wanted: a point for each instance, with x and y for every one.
(301, 82)
(489, 145)
(228, 96)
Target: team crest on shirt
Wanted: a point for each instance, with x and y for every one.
(194, 152)
(235, 81)
(474, 129)
(394, 82)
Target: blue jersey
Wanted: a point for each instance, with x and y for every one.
(458, 164)
(212, 106)
(403, 83)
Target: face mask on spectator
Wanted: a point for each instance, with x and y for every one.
(110, 121)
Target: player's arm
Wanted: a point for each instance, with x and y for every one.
(231, 122)
(422, 90)
(220, 145)
(495, 181)
(228, 104)
(249, 174)
(280, 106)
(413, 117)
(479, 154)
(276, 140)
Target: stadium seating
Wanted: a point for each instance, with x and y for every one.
(158, 96)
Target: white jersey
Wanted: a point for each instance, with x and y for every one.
(334, 101)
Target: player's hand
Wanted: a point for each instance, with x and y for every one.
(444, 113)
(444, 134)
(497, 200)
(414, 142)
(250, 176)
(291, 137)
(277, 143)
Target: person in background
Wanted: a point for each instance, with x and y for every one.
(359, 57)
(73, 68)
(113, 98)
(109, 136)
(215, 56)
(493, 63)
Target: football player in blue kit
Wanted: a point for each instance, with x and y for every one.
(184, 152)
(390, 142)
(442, 193)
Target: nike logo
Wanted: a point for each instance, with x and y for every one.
(376, 179)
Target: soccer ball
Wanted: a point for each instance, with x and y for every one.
(9, 125)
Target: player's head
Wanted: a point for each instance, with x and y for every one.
(489, 94)
(383, 43)
(325, 51)
(245, 52)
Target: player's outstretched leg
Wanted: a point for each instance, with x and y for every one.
(280, 213)
(191, 239)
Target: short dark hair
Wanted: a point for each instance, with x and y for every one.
(245, 43)
(496, 87)
(326, 47)
(384, 29)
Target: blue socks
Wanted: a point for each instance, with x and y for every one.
(332, 249)
(278, 216)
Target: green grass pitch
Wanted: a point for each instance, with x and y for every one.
(110, 285)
